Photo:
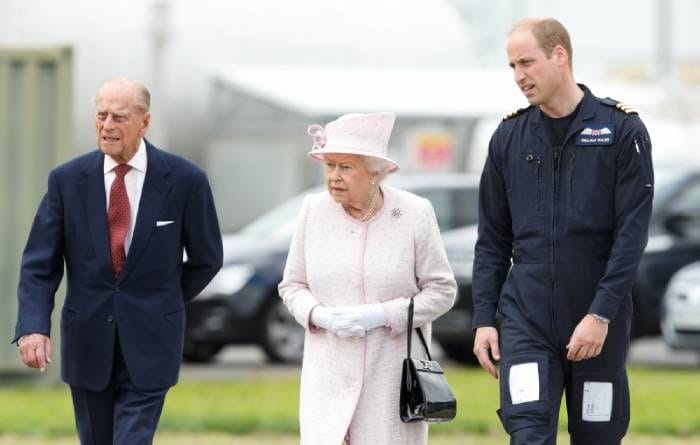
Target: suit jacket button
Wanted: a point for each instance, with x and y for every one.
(110, 319)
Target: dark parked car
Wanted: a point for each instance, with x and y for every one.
(454, 329)
(241, 304)
(674, 241)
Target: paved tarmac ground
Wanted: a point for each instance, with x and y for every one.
(653, 352)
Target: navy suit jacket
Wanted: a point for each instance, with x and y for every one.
(146, 302)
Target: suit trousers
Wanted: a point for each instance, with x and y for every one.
(120, 414)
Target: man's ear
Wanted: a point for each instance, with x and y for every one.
(561, 55)
(146, 122)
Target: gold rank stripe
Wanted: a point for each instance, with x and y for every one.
(625, 108)
(509, 115)
(514, 113)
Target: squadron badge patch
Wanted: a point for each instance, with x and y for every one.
(596, 135)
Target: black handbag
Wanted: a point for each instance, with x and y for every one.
(425, 394)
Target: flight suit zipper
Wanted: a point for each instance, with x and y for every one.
(539, 185)
(555, 170)
(571, 181)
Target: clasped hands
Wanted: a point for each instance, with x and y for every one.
(349, 321)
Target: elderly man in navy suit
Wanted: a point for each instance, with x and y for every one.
(119, 219)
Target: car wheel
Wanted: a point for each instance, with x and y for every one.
(200, 352)
(460, 351)
(282, 338)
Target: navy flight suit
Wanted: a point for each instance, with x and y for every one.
(561, 232)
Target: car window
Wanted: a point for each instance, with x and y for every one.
(441, 200)
(454, 207)
(687, 203)
(466, 206)
(689, 198)
(666, 182)
(278, 223)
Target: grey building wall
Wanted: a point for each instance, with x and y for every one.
(35, 135)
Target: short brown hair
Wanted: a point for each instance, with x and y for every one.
(549, 33)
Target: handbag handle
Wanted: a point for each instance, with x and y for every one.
(420, 333)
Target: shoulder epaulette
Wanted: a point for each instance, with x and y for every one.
(619, 105)
(515, 113)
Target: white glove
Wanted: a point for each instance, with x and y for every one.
(368, 316)
(353, 331)
(349, 321)
(333, 319)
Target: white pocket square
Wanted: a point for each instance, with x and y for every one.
(163, 223)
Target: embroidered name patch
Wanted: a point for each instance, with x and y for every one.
(596, 135)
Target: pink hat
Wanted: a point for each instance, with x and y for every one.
(358, 134)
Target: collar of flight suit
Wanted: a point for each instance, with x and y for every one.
(588, 111)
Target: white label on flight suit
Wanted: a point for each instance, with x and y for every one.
(524, 382)
(597, 401)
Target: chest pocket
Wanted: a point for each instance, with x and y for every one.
(526, 195)
(590, 173)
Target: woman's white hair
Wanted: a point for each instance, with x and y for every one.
(377, 166)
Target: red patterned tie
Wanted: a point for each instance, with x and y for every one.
(119, 217)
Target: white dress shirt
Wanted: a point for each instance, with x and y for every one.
(133, 180)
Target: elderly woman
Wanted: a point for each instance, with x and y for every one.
(360, 251)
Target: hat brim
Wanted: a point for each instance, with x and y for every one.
(319, 153)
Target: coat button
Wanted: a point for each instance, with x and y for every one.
(110, 319)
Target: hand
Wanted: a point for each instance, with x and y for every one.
(587, 340)
(35, 350)
(349, 321)
(354, 331)
(334, 319)
(369, 316)
(485, 347)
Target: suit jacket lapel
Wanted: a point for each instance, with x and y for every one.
(92, 186)
(155, 189)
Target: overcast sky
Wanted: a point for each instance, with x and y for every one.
(116, 38)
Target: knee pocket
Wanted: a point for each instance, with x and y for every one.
(524, 388)
(599, 402)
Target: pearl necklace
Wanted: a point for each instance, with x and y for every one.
(372, 207)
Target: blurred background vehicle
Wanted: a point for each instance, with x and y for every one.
(454, 329)
(241, 304)
(674, 241)
(680, 316)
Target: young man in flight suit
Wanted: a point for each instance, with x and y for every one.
(565, 200)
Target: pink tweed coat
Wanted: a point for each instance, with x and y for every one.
(352, 385)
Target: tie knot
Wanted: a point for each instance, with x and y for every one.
(121, 170)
